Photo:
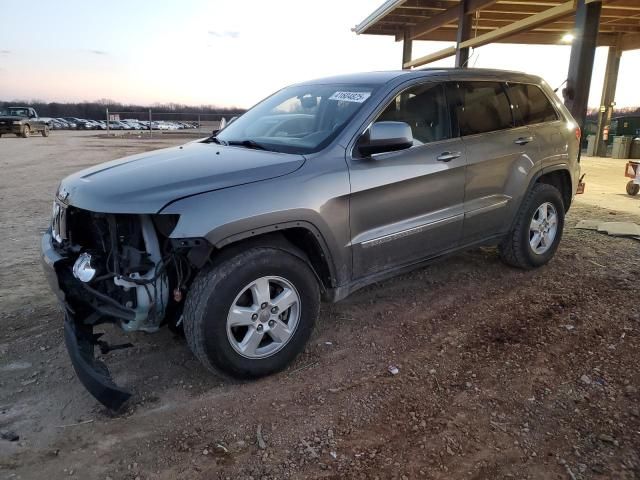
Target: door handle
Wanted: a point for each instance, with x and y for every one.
(448, 156)
(523, 140)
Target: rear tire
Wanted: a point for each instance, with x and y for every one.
(26, 131)
(632, 188)
(535, 235)
(245, 346)
(45, 131)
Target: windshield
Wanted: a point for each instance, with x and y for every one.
(298, 119)
(16, 112)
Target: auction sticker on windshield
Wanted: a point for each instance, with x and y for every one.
(357, 97)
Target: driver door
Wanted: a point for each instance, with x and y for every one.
(408, 205)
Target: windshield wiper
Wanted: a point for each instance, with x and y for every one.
(248, 144)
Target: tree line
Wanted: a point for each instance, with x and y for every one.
(592, 113)
(97, 110)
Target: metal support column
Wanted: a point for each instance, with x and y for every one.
(583, 49)
(407, 47)
(608, 97)
(463, 34)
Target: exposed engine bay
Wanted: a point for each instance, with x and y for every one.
(120, 268)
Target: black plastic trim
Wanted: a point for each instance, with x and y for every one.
(94, 376)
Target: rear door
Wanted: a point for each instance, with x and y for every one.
(498, 156)
(408, 205)
(534, 109)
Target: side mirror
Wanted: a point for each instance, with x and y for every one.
(385, 137)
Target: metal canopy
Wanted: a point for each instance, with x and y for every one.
(533, 22)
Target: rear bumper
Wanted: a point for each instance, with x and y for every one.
(79, 337)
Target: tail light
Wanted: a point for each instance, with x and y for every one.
(578, 133)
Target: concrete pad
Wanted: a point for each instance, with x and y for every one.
(588, 224)
(620, 229)
(606, 185)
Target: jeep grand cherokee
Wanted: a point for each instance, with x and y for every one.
(322, 188)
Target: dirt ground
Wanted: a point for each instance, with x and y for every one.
(502, 373)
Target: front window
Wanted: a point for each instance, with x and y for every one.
(16, 112)
(424, 109)
(298, 119)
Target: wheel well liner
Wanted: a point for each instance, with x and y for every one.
(561, 179)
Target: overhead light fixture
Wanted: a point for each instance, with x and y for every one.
(567, 38)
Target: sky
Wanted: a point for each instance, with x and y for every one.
(225, 52)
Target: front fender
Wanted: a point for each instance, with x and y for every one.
(317, 202)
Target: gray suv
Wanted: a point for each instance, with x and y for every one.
(320, 189)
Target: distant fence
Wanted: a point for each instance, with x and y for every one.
(204, 121)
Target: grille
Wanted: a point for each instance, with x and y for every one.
(59, 222)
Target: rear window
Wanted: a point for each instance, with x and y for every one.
(530, 104)
(481, 107)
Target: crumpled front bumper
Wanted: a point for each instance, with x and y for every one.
(93, 374)
(80, 339)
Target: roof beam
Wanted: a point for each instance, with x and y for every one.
(446, 17)
(525, 38)
(439, 55)
(525, 24)
(529, 23)
(384, 9)
(624, 4)
(630, 42)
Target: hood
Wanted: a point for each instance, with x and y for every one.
(146, 182)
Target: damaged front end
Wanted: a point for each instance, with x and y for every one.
(112, 268)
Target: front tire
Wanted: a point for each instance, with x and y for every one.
(26, 131)
(251, 315)
(537, 231)
(632, 188)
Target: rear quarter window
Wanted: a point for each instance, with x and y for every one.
(530, 104)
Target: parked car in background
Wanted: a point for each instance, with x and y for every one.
(134, 124)
(80, 123)
(57, 124)
(22, 121)
(66, 123)
(320, 189)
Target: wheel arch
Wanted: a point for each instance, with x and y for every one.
(559, 177)
(299, 238)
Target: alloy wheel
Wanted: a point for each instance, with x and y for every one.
(263, 317)
(543, 228)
